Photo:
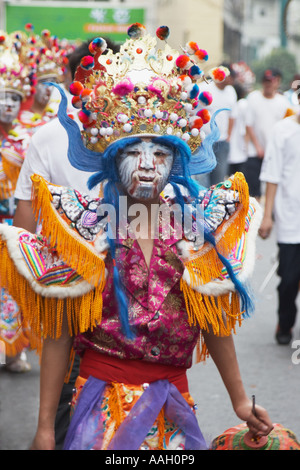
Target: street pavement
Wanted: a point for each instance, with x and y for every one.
(267, 369)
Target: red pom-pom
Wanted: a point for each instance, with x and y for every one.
(163, 32)
(29, 27)
(98, 45)
(183, 61)
(76, 102)
(206, 98)
(204, 114)
(84, 95)
(76, 88)
(198, 123)
(136, 31)
(219, 74)
(46, 33)
(87, 62)
(201, 54)
(84, 116)
(192, 47)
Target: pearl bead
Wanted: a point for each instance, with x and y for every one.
(173, 116)
(127, 127)
(182, 122)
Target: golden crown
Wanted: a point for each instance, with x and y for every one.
(13, 74)
(41, 54)
(142, 90)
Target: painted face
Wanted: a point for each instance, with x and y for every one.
(10, 104)
(144, 169)
(43, 92)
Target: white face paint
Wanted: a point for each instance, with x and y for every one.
(10, 104)
(43, 93)
(144, 169)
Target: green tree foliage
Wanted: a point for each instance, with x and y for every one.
(282, 60)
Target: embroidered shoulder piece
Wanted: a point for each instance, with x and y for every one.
(43, 285)
(233, 218)
(70, 224)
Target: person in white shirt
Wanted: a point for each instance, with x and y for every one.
(238, 137)
(265, 107)
(47, 156)
(224, 97)
(280, 171)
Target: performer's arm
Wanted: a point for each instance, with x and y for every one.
(54, 365)
(267, 222)
(222, 351)
(24, 216)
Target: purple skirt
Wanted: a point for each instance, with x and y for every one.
(84, 429)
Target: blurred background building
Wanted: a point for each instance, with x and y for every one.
(256, 32)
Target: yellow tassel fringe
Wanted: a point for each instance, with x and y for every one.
(73, 249)
(44, 315)
(6, 190)
(17, 346)
(11, 171)
(205, 264)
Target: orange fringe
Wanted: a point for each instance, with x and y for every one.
(217, 314)
(73, 249)
(115, 406)
(44, 315)
(206, 264)
(6, 190)
(11, 171)
(161, 429)
(16, 347)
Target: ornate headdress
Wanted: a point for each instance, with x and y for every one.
(142, 90)
(41, 55)
(13, 73)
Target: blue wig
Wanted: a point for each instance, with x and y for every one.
(185, 165)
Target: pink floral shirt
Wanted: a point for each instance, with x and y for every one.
(157, 312)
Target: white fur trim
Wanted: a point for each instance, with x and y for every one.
(11, 236)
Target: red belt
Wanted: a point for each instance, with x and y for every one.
(130, 371)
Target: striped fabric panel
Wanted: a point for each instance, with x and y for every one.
(11, 155)
(61, 274)
(33, 258)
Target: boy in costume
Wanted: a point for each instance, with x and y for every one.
(136, 304)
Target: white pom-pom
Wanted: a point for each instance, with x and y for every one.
(109, 131)
(148, 113)
(122, 118)
(182, 122)
(195, 132)
(159, 114)
(103, 131)
(188, 107)
(186, 136)
(173, 116)
(183, 95)
(94, 140)
(94, 131)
